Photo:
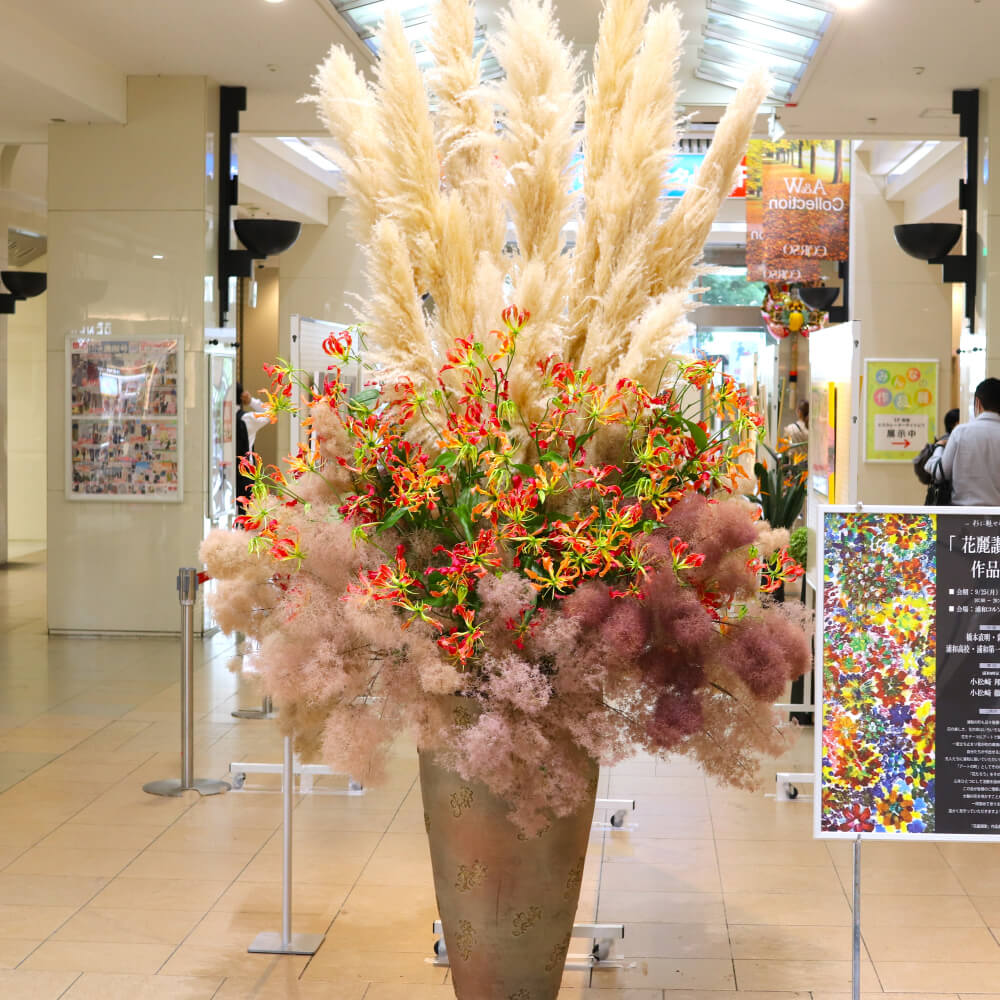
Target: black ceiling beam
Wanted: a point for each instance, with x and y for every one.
(232, 263)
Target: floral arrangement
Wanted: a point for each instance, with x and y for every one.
(538, 514)
(785, 313)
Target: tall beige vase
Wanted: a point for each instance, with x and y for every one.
(507, 902)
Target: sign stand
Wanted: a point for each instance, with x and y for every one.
(856, 913)
(286, 943)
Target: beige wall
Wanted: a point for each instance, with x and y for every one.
(26, 419)
(905, 311)
(259, 346)
(118, 195)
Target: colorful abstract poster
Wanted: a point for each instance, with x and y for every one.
(900, 407)
(909, 661)
(798, 208)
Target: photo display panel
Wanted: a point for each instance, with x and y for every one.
(124, 418)
(908, 653)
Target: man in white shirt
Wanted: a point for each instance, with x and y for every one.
(971, 459)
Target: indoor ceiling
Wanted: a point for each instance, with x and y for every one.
(884, 69)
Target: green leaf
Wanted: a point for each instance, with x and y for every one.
(392, 519)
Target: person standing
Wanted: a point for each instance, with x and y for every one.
(798, 433)
(971, 459)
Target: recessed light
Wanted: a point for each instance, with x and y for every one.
(274, 1)
(157, 256)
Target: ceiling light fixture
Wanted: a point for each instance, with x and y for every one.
(912, 159)
(313, 155)
(274, 1)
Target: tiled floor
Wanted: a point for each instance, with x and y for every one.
(107, 893)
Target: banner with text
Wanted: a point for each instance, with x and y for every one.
(909, 668)
(798, 208)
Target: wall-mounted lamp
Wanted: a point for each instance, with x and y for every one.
(261, 237)
(933, 241)
(21, 285)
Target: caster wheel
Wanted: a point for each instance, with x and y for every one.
(239, 780)
(354, 786)
(601, 950)
(793, 792)
(618, 819)
(440, 949)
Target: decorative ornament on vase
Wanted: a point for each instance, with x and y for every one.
(533, 503)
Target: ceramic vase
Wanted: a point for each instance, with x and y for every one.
(507, 901)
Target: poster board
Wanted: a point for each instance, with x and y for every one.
(908, 662)
(901, 401)
(124, 418)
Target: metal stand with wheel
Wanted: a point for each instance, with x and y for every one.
(266, 711)
(602, 938)
(617, 811)
(187, 591)
(286, 943)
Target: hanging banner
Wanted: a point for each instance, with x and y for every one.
(900, 408)
(798, 208)
(909, 668)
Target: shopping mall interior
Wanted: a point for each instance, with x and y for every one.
(117, 121)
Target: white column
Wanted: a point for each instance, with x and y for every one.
(905, 311)
(131, 244)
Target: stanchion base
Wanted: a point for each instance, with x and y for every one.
(253, 713)
(269, 943)
(174, 787)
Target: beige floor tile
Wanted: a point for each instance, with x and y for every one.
(329, 965)
(635, 786)
(409, 991)
(958, 977)
(669, 974)
(110, 986)
(160, 894)
(265, 897)
(13, 951)
(373, 915)
(19, 984)
(783, 942)
(99, 956)
(787, 908)
(660, 851)
(774, 853)
(747, 995)
(103, 837)
(774, 974)
(931, 944)
(25, 833)
(661, 907)
(779, 878)
(70, 861)
(235, 839)
(882, 881)
(235, 931)
(961, 855)
(643, 877)
(129, 925)
(901, 910)
(49, 890)
(18, 921)
(284, 987)
(820, 995)
(982, 880)
(673, 941)
(597, 994)
(208, 961)
(326, 867)
(216, 867)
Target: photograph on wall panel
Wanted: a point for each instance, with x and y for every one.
(124, 424)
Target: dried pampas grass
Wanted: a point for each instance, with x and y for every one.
(442, 168)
